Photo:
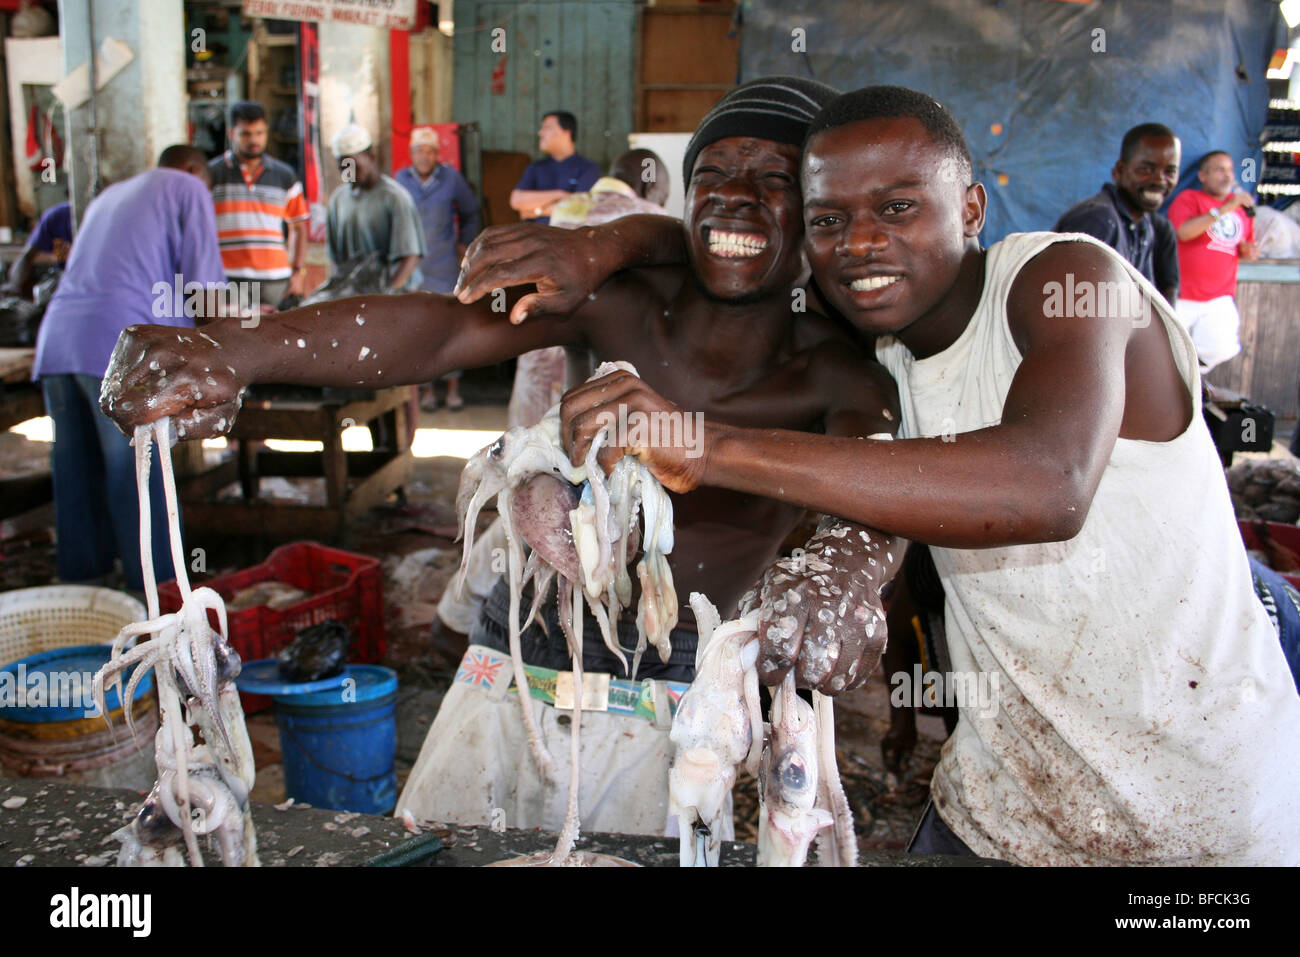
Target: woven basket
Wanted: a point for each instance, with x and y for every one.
(56, 616)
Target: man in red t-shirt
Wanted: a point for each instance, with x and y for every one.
(1215, 227)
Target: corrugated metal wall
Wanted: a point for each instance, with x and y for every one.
(559, 54)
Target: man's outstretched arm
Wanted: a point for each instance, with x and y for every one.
(1031, 478)
(197, 376)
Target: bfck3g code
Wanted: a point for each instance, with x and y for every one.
(1160, 900)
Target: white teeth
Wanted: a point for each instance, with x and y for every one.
(872, 282)
(735, 244)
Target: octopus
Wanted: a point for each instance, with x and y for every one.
(718, 727)
(581, 527)
(202, 788)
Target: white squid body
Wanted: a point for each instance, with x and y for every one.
(718, 725)
(202, 789)
(789, 818)
(600, 527)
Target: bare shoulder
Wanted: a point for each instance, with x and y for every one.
(627, 299)
(1073, 280)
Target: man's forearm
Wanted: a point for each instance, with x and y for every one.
(1195, 226)
(642, 240)
(297, 245)
(528, 202)
(404, 271)
(987, 488)
(362, 342)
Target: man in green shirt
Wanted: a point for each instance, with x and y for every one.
(371, 213)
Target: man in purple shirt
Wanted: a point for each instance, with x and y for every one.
(144, 244)
(50, 242)
(564, 171)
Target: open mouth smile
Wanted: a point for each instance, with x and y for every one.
(735, 245)
(872, 283)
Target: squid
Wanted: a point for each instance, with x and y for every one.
(582, 529)
(718, 727)
(202, 789)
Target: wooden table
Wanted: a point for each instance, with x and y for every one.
(20, 398)
(354, 481)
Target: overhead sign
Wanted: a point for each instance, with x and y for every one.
(389, 14)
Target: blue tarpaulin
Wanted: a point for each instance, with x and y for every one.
(1043, 89)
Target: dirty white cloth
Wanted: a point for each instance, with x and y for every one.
(1144, 711)
(459, 608)
(475, 766)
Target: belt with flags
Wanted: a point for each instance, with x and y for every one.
(646, 699)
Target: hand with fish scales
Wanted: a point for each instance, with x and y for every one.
(820, 610)
(566, 265)
(655, 430)
(158, 371)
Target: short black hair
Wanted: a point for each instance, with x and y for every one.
(1200, 167)
(877, 102)
(182, 155)
(566, 120)
(1133, 138)
(246, 111)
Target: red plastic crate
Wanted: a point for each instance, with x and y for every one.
(343, 585)
(1287, 536)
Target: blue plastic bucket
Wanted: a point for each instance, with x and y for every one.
(49, 726)
(338, 746)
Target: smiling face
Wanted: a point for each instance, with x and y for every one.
(742, 218)
(1146, 180)
(889, 218)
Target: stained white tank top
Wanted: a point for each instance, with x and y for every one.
(1144, 712)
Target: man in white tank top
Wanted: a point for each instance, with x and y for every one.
(1127, 701)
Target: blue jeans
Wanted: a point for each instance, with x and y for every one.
(96, 505)
(1282, 602)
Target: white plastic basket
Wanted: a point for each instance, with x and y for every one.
(56, 616)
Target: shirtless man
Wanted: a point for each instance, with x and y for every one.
(1053, 458)
(719, 337)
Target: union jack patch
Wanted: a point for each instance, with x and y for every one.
(479, 668)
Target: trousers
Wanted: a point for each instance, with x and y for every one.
(96, 506)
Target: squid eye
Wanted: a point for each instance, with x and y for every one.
(793, 775)
(498, 448)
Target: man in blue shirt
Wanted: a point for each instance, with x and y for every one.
(1123, 215)
(50, 242)
(449, 217)
(146, 253)
(565, 171)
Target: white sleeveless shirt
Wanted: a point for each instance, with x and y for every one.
(1143, 711)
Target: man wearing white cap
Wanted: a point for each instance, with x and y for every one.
(449, 218)
(371, 212)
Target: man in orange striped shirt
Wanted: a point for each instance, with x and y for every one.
(255, 196)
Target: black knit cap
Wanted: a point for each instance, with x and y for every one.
(776, 108)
